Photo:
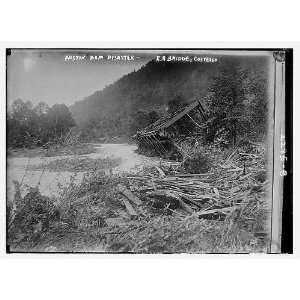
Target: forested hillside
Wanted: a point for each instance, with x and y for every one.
(138, 98)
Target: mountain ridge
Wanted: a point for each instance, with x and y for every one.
(150, 88)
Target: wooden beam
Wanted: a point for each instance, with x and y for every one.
(128, 194)
(130, 209)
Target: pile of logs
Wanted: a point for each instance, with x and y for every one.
(231, 184)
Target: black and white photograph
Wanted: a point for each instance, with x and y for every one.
(148, 151)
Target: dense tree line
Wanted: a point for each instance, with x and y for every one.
(29, 125)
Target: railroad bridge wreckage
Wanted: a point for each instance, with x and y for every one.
(162, 137)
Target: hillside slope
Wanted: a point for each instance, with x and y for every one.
(111, 111)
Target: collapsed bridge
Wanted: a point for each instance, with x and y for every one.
(160, 137)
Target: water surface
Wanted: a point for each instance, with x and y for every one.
(18, 168)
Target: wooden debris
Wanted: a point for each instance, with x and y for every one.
(85, 198)
(128, 194)
(129, 208)
(164, 199)
(118, 221)
(193, 175)
(122, 213)
(160, 171)
(216, 192)
(184, 206)
(224, 210)
(231, 155)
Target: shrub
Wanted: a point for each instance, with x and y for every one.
(31, 217)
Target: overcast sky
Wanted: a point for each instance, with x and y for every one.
(45, 75)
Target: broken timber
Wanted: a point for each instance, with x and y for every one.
(130, 209)
(159, 135)
(170, 119)
(128, 194)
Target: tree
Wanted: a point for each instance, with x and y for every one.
(22, 124)
(226, 103)
(41, 109)
(142, 119)
(176, 103)
(153, 116)
(59, 120)
(257, 101)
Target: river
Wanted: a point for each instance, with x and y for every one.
(49, 181)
